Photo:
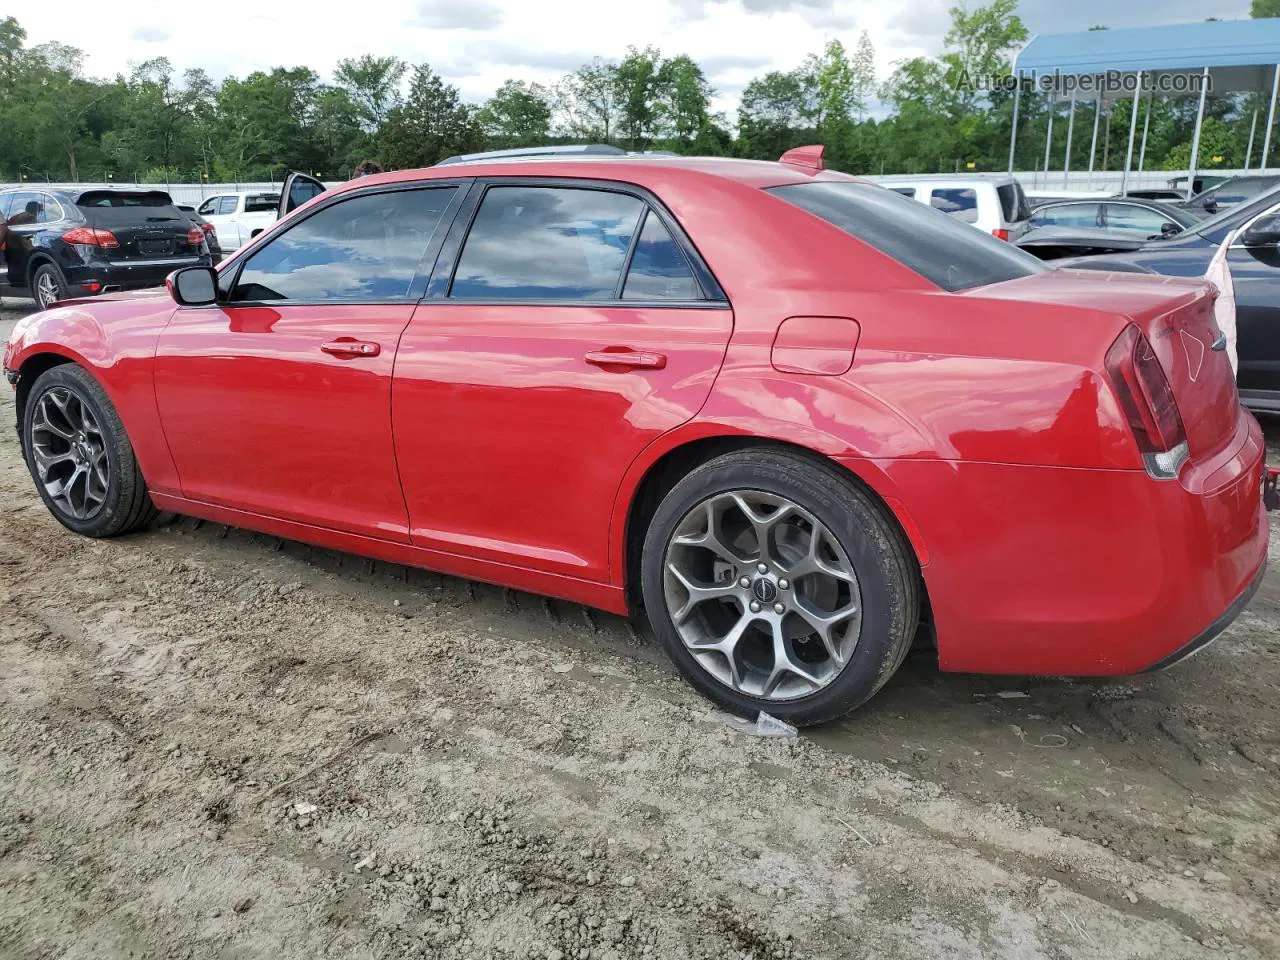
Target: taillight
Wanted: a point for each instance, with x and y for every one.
(91, 237)
(1148, 403)
(195, 236)
(1000, 233)
(207, 228)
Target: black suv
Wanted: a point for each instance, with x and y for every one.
(74, 243)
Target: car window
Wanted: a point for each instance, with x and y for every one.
(1066, 215)
(547, 243)
(24, 209)
(961, 203)
(6, 200)
(905, 191)
(209, 207)
(50, 209)
(301, 190)
(659, 271)
(1013, 202)
(228, 205)
(1140, 220)
(940, 248)
(367, 248)
(262, 203)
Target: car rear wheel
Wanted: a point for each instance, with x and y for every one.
(80, 457)
(776, 584)
(47, 285)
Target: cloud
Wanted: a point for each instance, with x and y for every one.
(501, 54)
(150, 35)
(454, 15)
(720, 63)
(818, 13)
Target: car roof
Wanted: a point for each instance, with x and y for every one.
(945, 178)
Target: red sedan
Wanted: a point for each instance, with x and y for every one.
(789, 414)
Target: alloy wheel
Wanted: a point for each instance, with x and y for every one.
(762, 594)
(46, 290)
(70, 453)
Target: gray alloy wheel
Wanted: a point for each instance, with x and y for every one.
(69, 453)
(762, 595)
(47, 288)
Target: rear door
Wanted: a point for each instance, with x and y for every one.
(569, 324)
(147, 226)
(277, 400)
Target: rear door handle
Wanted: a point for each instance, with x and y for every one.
(623, 357)
(348, 347)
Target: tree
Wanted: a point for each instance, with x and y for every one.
(585, 102)
(684, 100)
(637, 83)
(433, 123)
(518, 115)
(1264, 8)
(772, 115)
(864, 75)
(373, 84)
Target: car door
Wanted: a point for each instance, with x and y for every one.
(298, 189)
(1255, 275)
(571, 327)
(25, 214)
(1084, 216)
(220, 211)
(277, 400)
(1138, 220)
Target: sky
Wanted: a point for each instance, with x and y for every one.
(476, 44)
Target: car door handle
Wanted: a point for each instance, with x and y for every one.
(624, 357)
(347, 347)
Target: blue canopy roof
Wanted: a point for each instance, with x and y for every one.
(1251, 48)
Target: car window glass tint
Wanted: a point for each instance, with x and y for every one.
(905, 191)
(364, 249)
(262, 203)
(658, 270)
(1067, 215)
(940, 248)
(547, 243)
(301, 190)
(961, 203)
(25, 209)
(227, 205)
(208, 207)
(1140, 220)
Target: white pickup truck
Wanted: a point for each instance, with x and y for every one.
(239, 217)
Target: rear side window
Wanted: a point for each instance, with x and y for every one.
(940, 248)
(228, 205)
(658, 269)
(961, 203)
(547, 243)
(364, 249)
(1013, 202)
(263, 203)
(1067, 215)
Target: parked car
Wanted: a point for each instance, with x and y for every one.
(1156, 193)
(1119, 215)
(210, 234)
(783, 411)
(1230, 192)
(239, 217)
(1255, 273)
(1056, 243)
(64, 243)
(994, 203)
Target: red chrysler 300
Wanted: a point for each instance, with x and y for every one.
(789, 414)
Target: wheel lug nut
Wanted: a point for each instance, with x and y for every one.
(779, 608)
(744, 582)
(784, 584)
(763, 567)
(755, 606)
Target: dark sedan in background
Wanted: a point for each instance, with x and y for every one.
(59, 243)
(1254, 259)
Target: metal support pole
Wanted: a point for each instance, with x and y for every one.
(1093, 147)
(1142, 154)
(1195, 138)
(1013, 135)
(1071, 122)
(1133, 130)
(1048, 137)
(1253, 128)
(1271, 120)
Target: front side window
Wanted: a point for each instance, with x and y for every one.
(25, 209)
(961, 203)
(948, 253)
(209, 207)
(365, 249)
(1139, 220)
(659, 271)
(1082, 215)
(547, 243)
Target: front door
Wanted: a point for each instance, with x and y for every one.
(277, 400)
(1255, 274)
(577, 327)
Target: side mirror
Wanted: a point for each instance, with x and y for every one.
(193, 286)
(1210, 205)
(1168, 229)
(1263, 232)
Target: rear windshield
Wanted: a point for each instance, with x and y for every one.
(1013, 202)
(942, 249)
(119, 198)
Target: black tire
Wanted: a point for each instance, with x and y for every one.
(44, 276)
(880, 554)
(126, 505)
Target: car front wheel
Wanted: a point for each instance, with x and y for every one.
(777, 584)
(47, 286)
(80, 456)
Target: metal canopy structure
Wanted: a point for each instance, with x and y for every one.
(1229, 56)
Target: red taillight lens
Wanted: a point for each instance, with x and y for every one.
(91, 237)
(207, 228)
(1144, 393)
(195, 236)
(1000, 233)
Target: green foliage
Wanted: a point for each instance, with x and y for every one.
(518, 115)
(432, 124)
(1264, 8)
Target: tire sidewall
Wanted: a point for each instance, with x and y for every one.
(58, 280)
(855, 522)
(101, 522)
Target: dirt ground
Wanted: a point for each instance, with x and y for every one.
(219, 744)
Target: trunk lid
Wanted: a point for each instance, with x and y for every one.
(145, 222)
(1176, 315)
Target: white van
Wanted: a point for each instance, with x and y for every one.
(239, 217)
(992, 202)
